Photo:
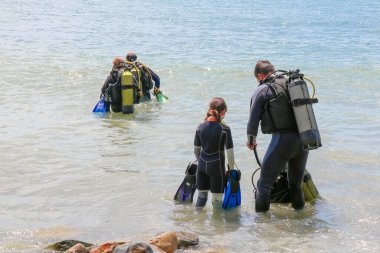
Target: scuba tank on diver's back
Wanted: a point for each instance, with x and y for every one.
(130, 88)
(303, 110)
(127, 92)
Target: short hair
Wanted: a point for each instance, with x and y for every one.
(131, 56)
(118, 60)
(263, 67)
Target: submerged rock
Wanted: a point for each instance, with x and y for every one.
(138, 247)
(186, 239)
(167, 242)
(66, 244)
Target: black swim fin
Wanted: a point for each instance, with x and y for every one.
(186, 190)
(280, 191)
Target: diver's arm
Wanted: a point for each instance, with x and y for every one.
(230, 158)
(257, 101)
(229, 148)
(197, 152)
(155, 78)
(197, 145)
(106, 83)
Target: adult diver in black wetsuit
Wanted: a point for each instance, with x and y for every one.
(277, 118)
(117, 69)
(212, 137)
(147, 77)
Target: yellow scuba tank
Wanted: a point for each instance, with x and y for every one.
(303, 111)
(130, 86)
(127, 92)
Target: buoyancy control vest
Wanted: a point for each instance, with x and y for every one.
(277, 115)
(146, 77)
(130, 87)
(113, 91)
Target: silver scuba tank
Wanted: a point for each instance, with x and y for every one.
(303, 111)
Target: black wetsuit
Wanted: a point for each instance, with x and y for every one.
(112, 78)
(212, 138)
(285, 147)
(147, 79)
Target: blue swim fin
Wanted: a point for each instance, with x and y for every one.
(101, 106)
(186, 190)
(232, 195)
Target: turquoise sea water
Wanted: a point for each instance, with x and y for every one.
(67, 173)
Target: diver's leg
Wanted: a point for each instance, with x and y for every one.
(203, 183)
(217, 172)
(295, 177)
(202, 198)
(274, 161)
(217, 200)
(146, 96)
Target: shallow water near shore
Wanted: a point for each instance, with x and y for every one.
(66, 173)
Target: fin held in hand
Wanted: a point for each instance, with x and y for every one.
(186, 190)
(101, 106)
(232, 195)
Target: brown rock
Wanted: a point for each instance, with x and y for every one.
(65, 245)
(186, 239)
(138, 247)
(167, 241)
(156, 249)
(77, 248)
(107, 247)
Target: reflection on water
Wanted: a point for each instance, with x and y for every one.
(211, 221)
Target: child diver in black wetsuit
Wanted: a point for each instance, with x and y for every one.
(212, 137)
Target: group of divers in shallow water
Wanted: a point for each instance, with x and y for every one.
(281, 105)
(129, 82)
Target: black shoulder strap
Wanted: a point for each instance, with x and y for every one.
(275, 89)
(304, 101)
(271, 88)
